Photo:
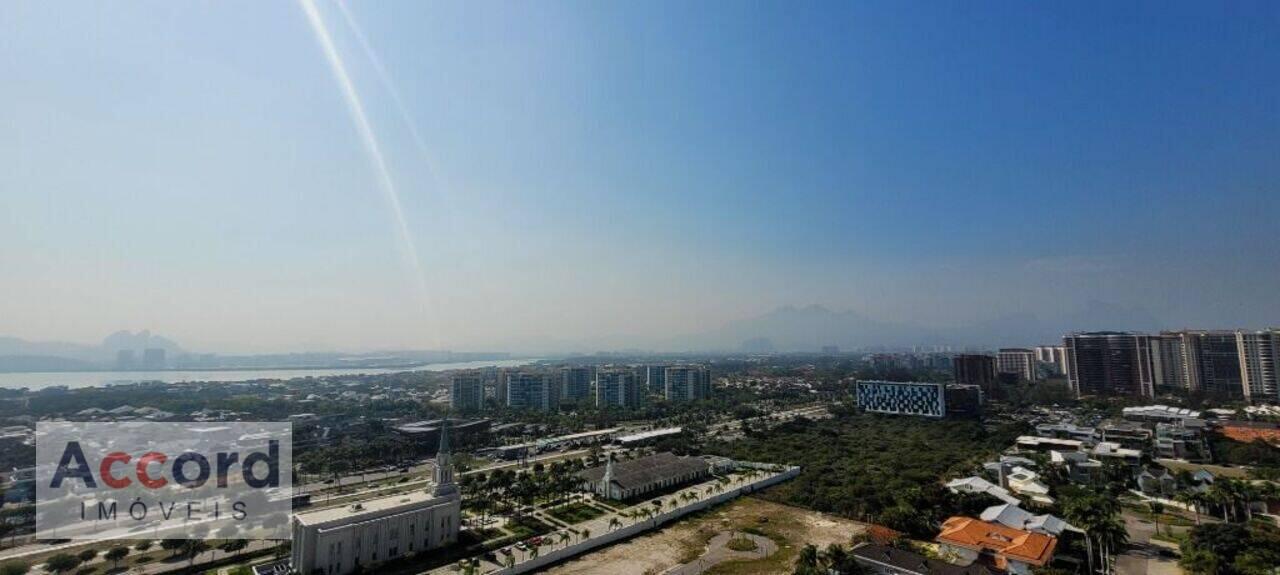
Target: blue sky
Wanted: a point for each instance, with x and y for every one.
(613, 173)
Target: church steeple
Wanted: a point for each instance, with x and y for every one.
(606, 483)
(443, 473)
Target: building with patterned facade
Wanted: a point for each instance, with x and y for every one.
(903, 398)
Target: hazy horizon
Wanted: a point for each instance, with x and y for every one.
(574, 174)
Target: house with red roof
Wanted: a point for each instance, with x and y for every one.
(966, 540)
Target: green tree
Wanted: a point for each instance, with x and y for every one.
(1199, 562)
(115, 554)
(62, 563)
(1157, 508)
(233, 546)
(87, 555)
(173, 545)
(14, 568)
(1190, 499)
(807, 563)
(193, 549)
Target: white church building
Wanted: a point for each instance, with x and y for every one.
(342, 540)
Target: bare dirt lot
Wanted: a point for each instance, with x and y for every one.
(790, 527)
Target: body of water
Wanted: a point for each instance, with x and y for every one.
(73, 379)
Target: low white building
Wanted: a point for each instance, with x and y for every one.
(1026, 483)
(980, 485)
(638, 477)
(347, 539)
(1016, 517)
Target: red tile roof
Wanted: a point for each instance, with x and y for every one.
(1002, 542)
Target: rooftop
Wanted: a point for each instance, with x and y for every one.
(1160, 411)
(643, 435)
(647, 470)
(370, 508)
(1016, 544)
(1018, 518)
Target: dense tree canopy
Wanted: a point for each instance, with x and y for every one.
(879, 468)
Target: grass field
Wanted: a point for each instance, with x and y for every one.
(575, 513)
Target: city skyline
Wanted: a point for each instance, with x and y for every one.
(568, 178)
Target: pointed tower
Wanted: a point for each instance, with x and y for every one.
(443, 473)
(606, 482)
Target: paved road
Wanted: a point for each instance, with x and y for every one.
(718, 552)
(1143, 556)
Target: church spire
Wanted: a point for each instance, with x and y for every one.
(606, 483)
(443, 473)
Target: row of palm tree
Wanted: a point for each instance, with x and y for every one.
(1231, 497)
(1098, 515)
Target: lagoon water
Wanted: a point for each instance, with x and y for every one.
(74, 379)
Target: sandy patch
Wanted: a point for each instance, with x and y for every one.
(790, 527)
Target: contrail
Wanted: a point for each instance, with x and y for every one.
(385, 78)
(356, 107)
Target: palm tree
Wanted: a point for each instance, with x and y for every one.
(1190, 500)
(807, 562)
(564, 538)
(1220, 493)
(586, 534)
(1111, 536)
(614, 523)
(1156, 509)
(1247, 494)
(1081, 513)
(835, 557)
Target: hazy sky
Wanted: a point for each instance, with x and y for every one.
(614, 171)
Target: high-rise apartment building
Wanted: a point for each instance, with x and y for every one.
(687, 383)
(575, 384)
(1109, 363)
(1211, 363)
(1019, 362)
(528, 389)
(467, 391)
(655, 378)
(617, 388)
(975, 369)
(1053, 356)
(1259, 360)
(1168, 369)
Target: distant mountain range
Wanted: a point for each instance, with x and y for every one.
(810, 328)
(22, 355)
(784, 329)
(18, 355)
(83, 352)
